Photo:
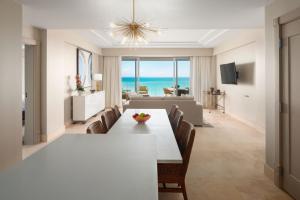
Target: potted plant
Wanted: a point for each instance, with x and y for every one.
(79, 87)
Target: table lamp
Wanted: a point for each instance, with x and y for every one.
(98, 79)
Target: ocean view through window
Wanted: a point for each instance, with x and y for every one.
(155, 77)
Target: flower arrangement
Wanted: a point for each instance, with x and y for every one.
(79, 86)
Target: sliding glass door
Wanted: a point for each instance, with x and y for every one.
(183, 76)
(156, 76)
(128, 73)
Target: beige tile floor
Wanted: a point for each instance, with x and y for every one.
(227, 162)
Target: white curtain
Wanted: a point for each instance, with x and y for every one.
(202, 76)
(112, 81)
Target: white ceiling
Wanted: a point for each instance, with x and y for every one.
(185, 23)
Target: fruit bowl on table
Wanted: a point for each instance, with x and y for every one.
(141, 118)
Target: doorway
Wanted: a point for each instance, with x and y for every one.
(31, 103)
(290, 103)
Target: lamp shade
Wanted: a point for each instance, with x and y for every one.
(97, 77)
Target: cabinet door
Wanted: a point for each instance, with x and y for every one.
(94, 103)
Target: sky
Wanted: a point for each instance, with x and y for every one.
(156, 69)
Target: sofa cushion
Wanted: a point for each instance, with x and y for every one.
(184, 98)
(145, 98)
(192, 110)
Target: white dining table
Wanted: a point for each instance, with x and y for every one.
(158, 125)
(86, 167)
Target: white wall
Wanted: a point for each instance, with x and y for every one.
(54, 82)
(10, 75)
(70, 65)
(58, 76)
(276, 9)
(246, 100)
(31, 35)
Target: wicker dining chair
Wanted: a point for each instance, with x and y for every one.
(172, 112)
(108, 118)
(170, 173)
(143, 90)
(175, 123)
(116, 111)
(96, 128)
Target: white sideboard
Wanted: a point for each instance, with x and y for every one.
(88, 105)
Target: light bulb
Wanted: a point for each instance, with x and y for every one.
(111, 34)
(159, 32)
(147, 25)
(112, 25)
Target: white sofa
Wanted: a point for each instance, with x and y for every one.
(193, 111)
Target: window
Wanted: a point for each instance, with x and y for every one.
(156, 75)
(183, 73)
(159, 75)
(128, 73)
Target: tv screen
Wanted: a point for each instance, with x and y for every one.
(228, 73)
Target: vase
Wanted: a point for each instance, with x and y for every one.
(80, 93)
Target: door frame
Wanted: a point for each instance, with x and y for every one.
(278, 24)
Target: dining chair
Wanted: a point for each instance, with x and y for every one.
(116, 111)
(175, 123)
(167, 91)
(172, 112)
(96, 128)
(108, 118)
(170, 173)
(143, 90)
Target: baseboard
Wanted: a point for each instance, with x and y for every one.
(37, 138)
(43, 137)
(258, 128)
(68, 124)
(49, 137)
(269, 172)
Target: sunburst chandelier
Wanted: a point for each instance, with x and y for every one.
(132, 32)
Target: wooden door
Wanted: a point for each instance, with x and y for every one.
(33, 95)
(290, 115)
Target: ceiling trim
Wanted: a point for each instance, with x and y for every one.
(215, 37)
(101, 37)
(206, 35)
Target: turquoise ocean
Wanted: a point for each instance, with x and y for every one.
(155, 85)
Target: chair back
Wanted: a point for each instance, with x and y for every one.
(177, 120)
(172, 112)
(167, 91)
(185, 139)
(143, 88)
(96, 128)
(108, 118)
(117, 111)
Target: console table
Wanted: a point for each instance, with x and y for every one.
(214, 100)
(87, 105)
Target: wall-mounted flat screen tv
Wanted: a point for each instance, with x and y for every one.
(228, 73)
